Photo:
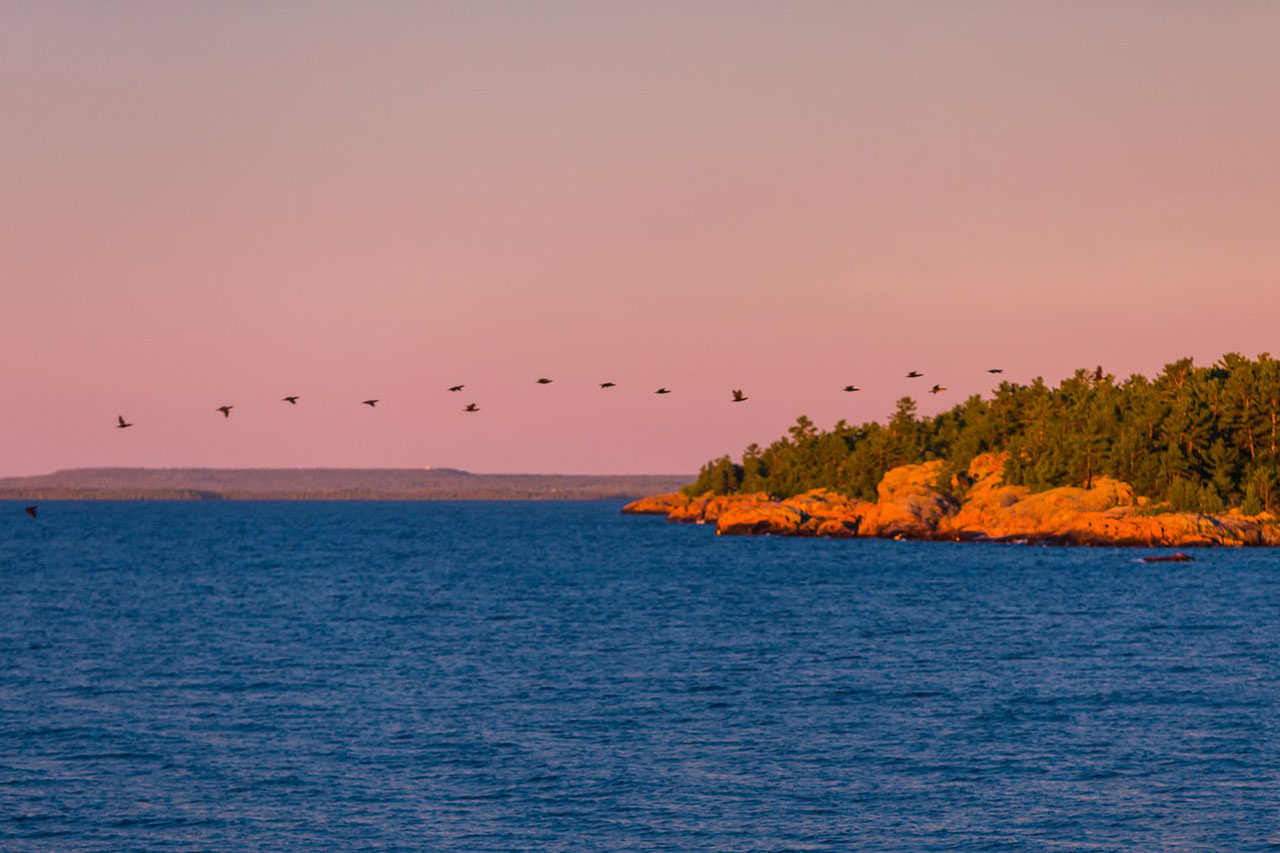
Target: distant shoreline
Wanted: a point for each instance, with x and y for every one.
(328, 484)
(215, 497)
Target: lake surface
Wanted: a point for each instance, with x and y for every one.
(538, 676)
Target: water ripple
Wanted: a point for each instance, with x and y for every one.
(559, 677)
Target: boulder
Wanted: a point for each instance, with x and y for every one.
(756, 518)
(826, 505)
(657, 504)
(708, 507)
(910, 504)
(992, 510)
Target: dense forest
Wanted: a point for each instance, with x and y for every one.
(1193, 438)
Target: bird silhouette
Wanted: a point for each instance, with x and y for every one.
(544, 381)
(852, 388)
(607, 384)
(226, 410)
(456, 387)
(471, 407)
(737, 396)
(370, 403)
(121, 423)
(292, 401)
(996, 370)
(936, 389)
(914, 375)
(31, 510)
(663, 391)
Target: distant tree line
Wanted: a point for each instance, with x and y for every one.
(327, 484)
(1194, 438)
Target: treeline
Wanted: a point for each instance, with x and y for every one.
(72, 494)
(328, 484)
(1193, 438)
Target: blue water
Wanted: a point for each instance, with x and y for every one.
(533, 676)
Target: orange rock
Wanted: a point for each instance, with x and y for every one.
(826, 505)
(767, 517)
(911, 505)
(911, 479)
(987, 466)
(717, 506)
(994, 511)
(691, 510)
(708, 507)
(657, 504)
(835, 529)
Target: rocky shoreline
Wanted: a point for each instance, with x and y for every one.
(929, 502)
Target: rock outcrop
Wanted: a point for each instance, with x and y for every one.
(911, 503)
(657, 504)
(708, 508)
(769, 517)
(931, 501)
(1107, 513)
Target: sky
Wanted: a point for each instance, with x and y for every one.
(223, 203)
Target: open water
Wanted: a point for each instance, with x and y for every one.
(535, 676)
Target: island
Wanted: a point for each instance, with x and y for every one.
(1189, 458)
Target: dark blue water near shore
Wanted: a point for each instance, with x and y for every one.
(462, 676)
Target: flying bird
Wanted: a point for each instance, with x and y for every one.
(852, 388)
(292, 401)
(544, 381)
(456, 387)
(936, 389)
(31, 510)
(737, 396)
(996, 370)
(226, 410)
(121, 423)
(914, 375)
(370, 403)
(607, 384)
(471, 407)
(663, 391)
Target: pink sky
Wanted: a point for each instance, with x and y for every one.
(208, 203)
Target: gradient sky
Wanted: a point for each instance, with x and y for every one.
(208, 203)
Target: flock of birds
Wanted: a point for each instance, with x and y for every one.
(738, 397)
